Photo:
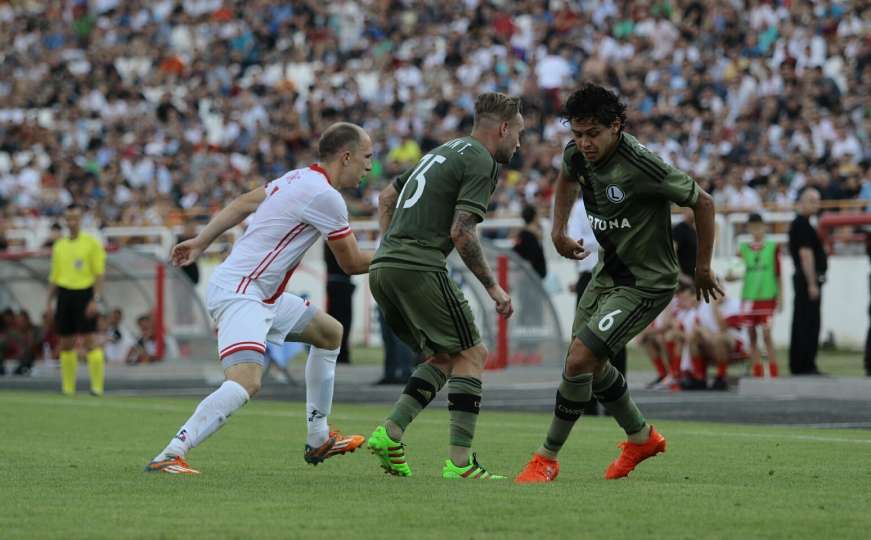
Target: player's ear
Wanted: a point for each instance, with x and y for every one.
(504, 128)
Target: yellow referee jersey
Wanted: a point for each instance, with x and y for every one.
(76, 264)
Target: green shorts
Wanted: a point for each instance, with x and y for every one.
(607, 318)
(426, 310)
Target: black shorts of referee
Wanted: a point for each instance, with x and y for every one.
(69, 317)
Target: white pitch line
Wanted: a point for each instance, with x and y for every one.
(95, 403)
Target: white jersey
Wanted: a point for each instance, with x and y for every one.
(730, 310)
(299, 208)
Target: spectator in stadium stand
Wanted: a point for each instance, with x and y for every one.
(810, 262)
(54, 233)
(683, 235)
(118, 342)
(144, 351)
(105, 112)
(340, 296)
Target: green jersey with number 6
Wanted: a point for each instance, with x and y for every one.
(458, 175)
(628, 200)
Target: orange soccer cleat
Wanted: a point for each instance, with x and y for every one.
(336, 444)
(539, 470)
(633, 454)
(171, 465)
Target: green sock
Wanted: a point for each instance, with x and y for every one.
(464, 401)
(572, 396)
(612, 392)
(422, 387)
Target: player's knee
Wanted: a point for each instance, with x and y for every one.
(580, 360)
(475, 357)
(332, 335)
(249, 383)
(329, 335)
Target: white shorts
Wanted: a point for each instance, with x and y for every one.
(245, 323)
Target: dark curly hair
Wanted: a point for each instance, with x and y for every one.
(596, 102)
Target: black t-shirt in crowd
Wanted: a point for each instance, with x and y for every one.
(802, 234)
(529, 248)
(684, 236)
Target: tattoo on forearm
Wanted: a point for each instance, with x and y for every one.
(386, 207)
(469, 247)
(385, 218)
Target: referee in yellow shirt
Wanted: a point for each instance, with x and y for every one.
(76, 281)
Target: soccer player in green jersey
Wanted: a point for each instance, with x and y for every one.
(628, 191)
(424, 214)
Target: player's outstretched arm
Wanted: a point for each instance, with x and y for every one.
(707, 284)
(233, 214)
(464, 233)
(386, 205)
(348, 255)
(565, 195)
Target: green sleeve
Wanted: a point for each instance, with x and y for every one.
(568, 170)
(668, 182)
(399, 181)
(477, 186)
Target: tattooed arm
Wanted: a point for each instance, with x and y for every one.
(465, 237)
(386, 206)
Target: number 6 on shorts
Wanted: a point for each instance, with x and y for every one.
(606, 322)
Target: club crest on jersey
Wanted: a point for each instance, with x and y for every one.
(614, 193)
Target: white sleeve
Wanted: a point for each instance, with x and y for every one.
(328, 213)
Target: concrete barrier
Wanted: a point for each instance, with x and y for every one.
(847, 388)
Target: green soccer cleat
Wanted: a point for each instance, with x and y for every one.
(472, 471)
(390, 452)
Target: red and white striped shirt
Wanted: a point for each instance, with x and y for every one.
(299, 208)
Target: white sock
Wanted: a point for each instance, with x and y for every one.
(209, 416)
(320, 375)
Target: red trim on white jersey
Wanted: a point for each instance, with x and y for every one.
(341, 233)
(281, 286)
(317, 168)
(270, 257)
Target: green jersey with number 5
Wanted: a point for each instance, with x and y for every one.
(458, 175)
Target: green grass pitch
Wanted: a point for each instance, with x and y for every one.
(72, 468)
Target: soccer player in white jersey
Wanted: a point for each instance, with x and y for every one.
(246, 292)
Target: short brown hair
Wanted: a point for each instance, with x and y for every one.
(496, 106)
(338, 137)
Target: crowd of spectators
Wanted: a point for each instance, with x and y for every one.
(138, 109)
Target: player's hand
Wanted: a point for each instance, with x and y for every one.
(503, 301)
(91, 309)
(186, 252)
(813, 292)
(707, 285)
(569, 247)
